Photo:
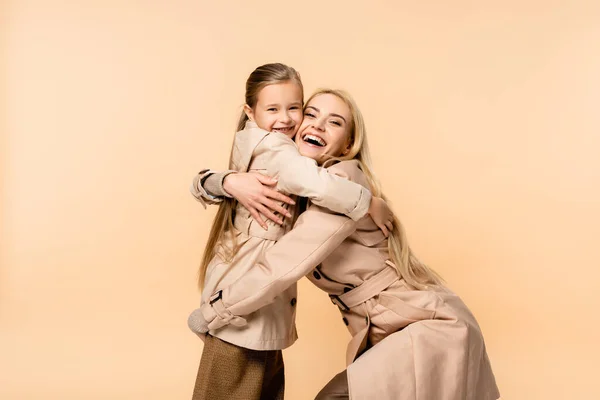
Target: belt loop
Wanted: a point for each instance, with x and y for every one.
(215, 297)
(335, 299)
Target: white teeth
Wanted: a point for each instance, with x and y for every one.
(316, 139)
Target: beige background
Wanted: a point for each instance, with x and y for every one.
(483, 119)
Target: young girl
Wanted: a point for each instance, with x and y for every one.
(246, 363)
(412, 337)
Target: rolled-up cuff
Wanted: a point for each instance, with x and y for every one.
(200, 193)
(213, 183)
(362, 207)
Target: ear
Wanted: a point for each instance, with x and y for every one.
(249, 112)
(347, 148)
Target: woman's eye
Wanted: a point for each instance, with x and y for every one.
(336, 123)
(309, 115)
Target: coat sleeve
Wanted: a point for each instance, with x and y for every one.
(207, 186)
(297, 175)
(301, 176)
(316, 234)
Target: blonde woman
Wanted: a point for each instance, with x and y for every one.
(412, 338)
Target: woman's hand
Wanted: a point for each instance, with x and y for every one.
(382, 215)
(258, 195)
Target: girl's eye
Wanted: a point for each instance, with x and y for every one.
(271, 109)
(294, 108)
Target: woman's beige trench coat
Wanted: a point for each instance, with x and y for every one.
(406, 343)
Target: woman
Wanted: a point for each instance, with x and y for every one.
(412, 338)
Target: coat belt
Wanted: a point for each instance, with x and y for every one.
(368, 289)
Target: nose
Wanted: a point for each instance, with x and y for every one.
(319, 124)
(285, 117)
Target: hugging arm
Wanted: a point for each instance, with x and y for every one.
(317, 233)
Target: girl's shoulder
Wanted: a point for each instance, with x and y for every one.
(349, 169)
(255, 135)
(253, 142)
(245, 144)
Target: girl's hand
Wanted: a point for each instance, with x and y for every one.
(382, 215)
(258, 195)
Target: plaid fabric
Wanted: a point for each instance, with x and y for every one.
(230, 372)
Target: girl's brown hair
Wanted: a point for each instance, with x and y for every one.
(222, 237)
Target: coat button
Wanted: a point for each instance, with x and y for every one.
(345, 321)
(293, 302)
(316, 275)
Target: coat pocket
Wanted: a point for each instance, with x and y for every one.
(400, 312)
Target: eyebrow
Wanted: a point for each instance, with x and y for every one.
(334, 115)
(277, 104)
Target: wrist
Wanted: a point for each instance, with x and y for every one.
(226, 183)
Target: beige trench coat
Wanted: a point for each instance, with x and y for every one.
(406, 343)
(272, 327)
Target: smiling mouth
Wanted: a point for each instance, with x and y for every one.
(284, 130)
(314, 140)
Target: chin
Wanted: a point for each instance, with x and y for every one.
(315, 155)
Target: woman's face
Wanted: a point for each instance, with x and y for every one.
(325, 130)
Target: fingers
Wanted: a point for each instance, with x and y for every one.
(276, 195)
(273, 193)
(384, 229)
(269, 214)
(259, 208)
(254, 213)
(275, 207)
(390, 225)
(266, 180)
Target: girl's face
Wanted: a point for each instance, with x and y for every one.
(278, 109)
(325, 130)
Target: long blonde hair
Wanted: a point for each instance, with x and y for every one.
(414, 272)
(222, 237)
